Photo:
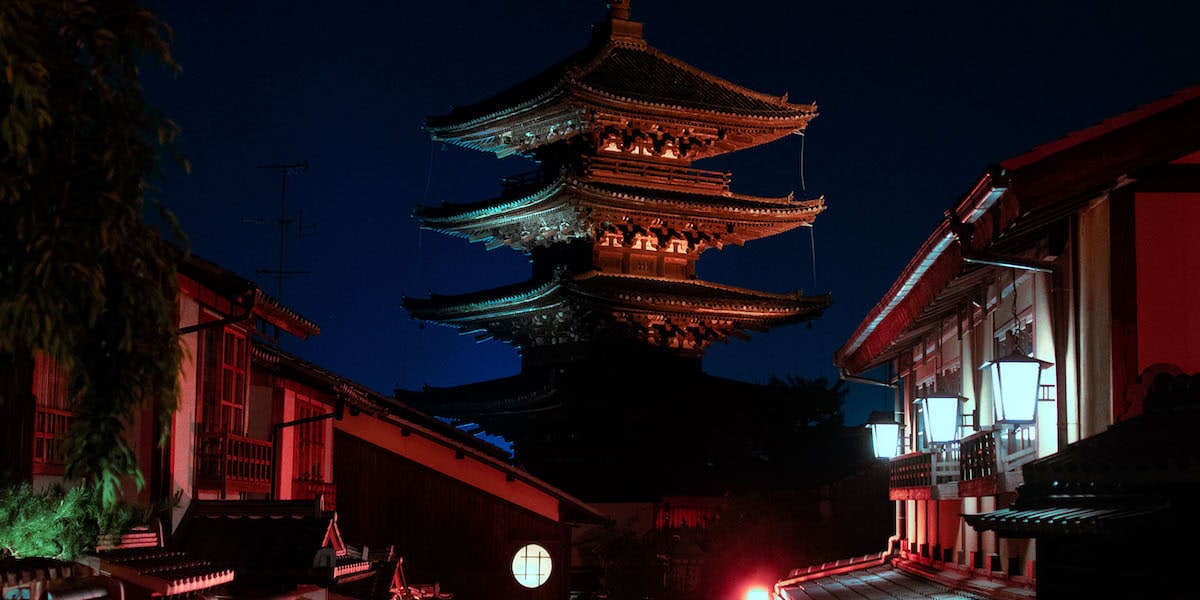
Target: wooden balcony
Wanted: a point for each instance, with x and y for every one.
(983, 464)
(304, 489)
(925, 475)
(50, 429)
(234, 464)
(992, 460)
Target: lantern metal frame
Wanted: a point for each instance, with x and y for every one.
(1015, 389)
(947, 426)
(883, 426)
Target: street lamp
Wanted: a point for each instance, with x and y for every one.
(885, 434)
(942, 415)
(1016, 380)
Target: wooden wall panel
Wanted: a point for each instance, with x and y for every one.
(447, 531)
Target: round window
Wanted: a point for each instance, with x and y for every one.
(531, 566)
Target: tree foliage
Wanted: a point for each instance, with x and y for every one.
(58, 523)
(84, 277)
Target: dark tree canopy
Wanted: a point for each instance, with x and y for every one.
(85, 278)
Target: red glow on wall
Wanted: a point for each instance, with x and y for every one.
(1168, 280)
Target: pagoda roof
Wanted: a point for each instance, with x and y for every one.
(517, 394)
(620, 73)
(578, 201)
(616, 293)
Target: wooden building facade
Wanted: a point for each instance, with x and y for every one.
(263, 437)
(1080, 254)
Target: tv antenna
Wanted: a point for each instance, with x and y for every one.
(284, 170)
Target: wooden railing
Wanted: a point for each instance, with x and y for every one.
(926, 469)
(992, 460)
(49, 430)
(304, 489)
(233, 463)
(638, 171)
(978, 455)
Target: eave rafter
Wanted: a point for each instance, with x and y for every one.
(683, 315)
(587, 207)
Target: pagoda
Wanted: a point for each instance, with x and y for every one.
(614, 219)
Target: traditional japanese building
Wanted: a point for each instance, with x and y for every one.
(1078, 261)
(268, 460)
(614, 219)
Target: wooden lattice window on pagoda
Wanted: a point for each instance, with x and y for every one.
(224, 360)
(52, 416)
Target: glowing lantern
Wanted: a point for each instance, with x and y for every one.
(885, 434)
(1016, 381)
(942, 416)
(758, 593)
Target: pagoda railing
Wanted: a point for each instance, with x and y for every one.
(233, 463)
(49, 430)
(643, 172)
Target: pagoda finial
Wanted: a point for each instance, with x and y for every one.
(618, 9)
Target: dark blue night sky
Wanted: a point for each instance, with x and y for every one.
(915, 103)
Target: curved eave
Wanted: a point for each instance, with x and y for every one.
(734, 208)
(458, 220)
(935, 264)
(463, 310)
(690, 115)
(1050, 179)
(562, 88)
(514, 395)
(694, 297)
(273, 311)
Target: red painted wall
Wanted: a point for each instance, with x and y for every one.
(1168, 279)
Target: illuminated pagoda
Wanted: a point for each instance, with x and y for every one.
(614, 219)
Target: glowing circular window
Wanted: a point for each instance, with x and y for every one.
(531, 566)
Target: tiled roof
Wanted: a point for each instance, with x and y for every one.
(267, 540)
(875, 583)
(624, 68)
(671, 295)
(877, 577)
(734, 203)
(516, 394)
(688, 293)
(1067, 520)
(640, 73)
(139, 557)
(229, 284)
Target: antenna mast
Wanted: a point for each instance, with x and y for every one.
(283, 221)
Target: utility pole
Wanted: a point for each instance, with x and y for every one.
(284, 170)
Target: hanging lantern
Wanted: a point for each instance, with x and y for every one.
(1016, 381)
(885, 434)
(942, 415)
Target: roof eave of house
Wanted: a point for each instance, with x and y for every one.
(935, 264)
(1024, 185)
